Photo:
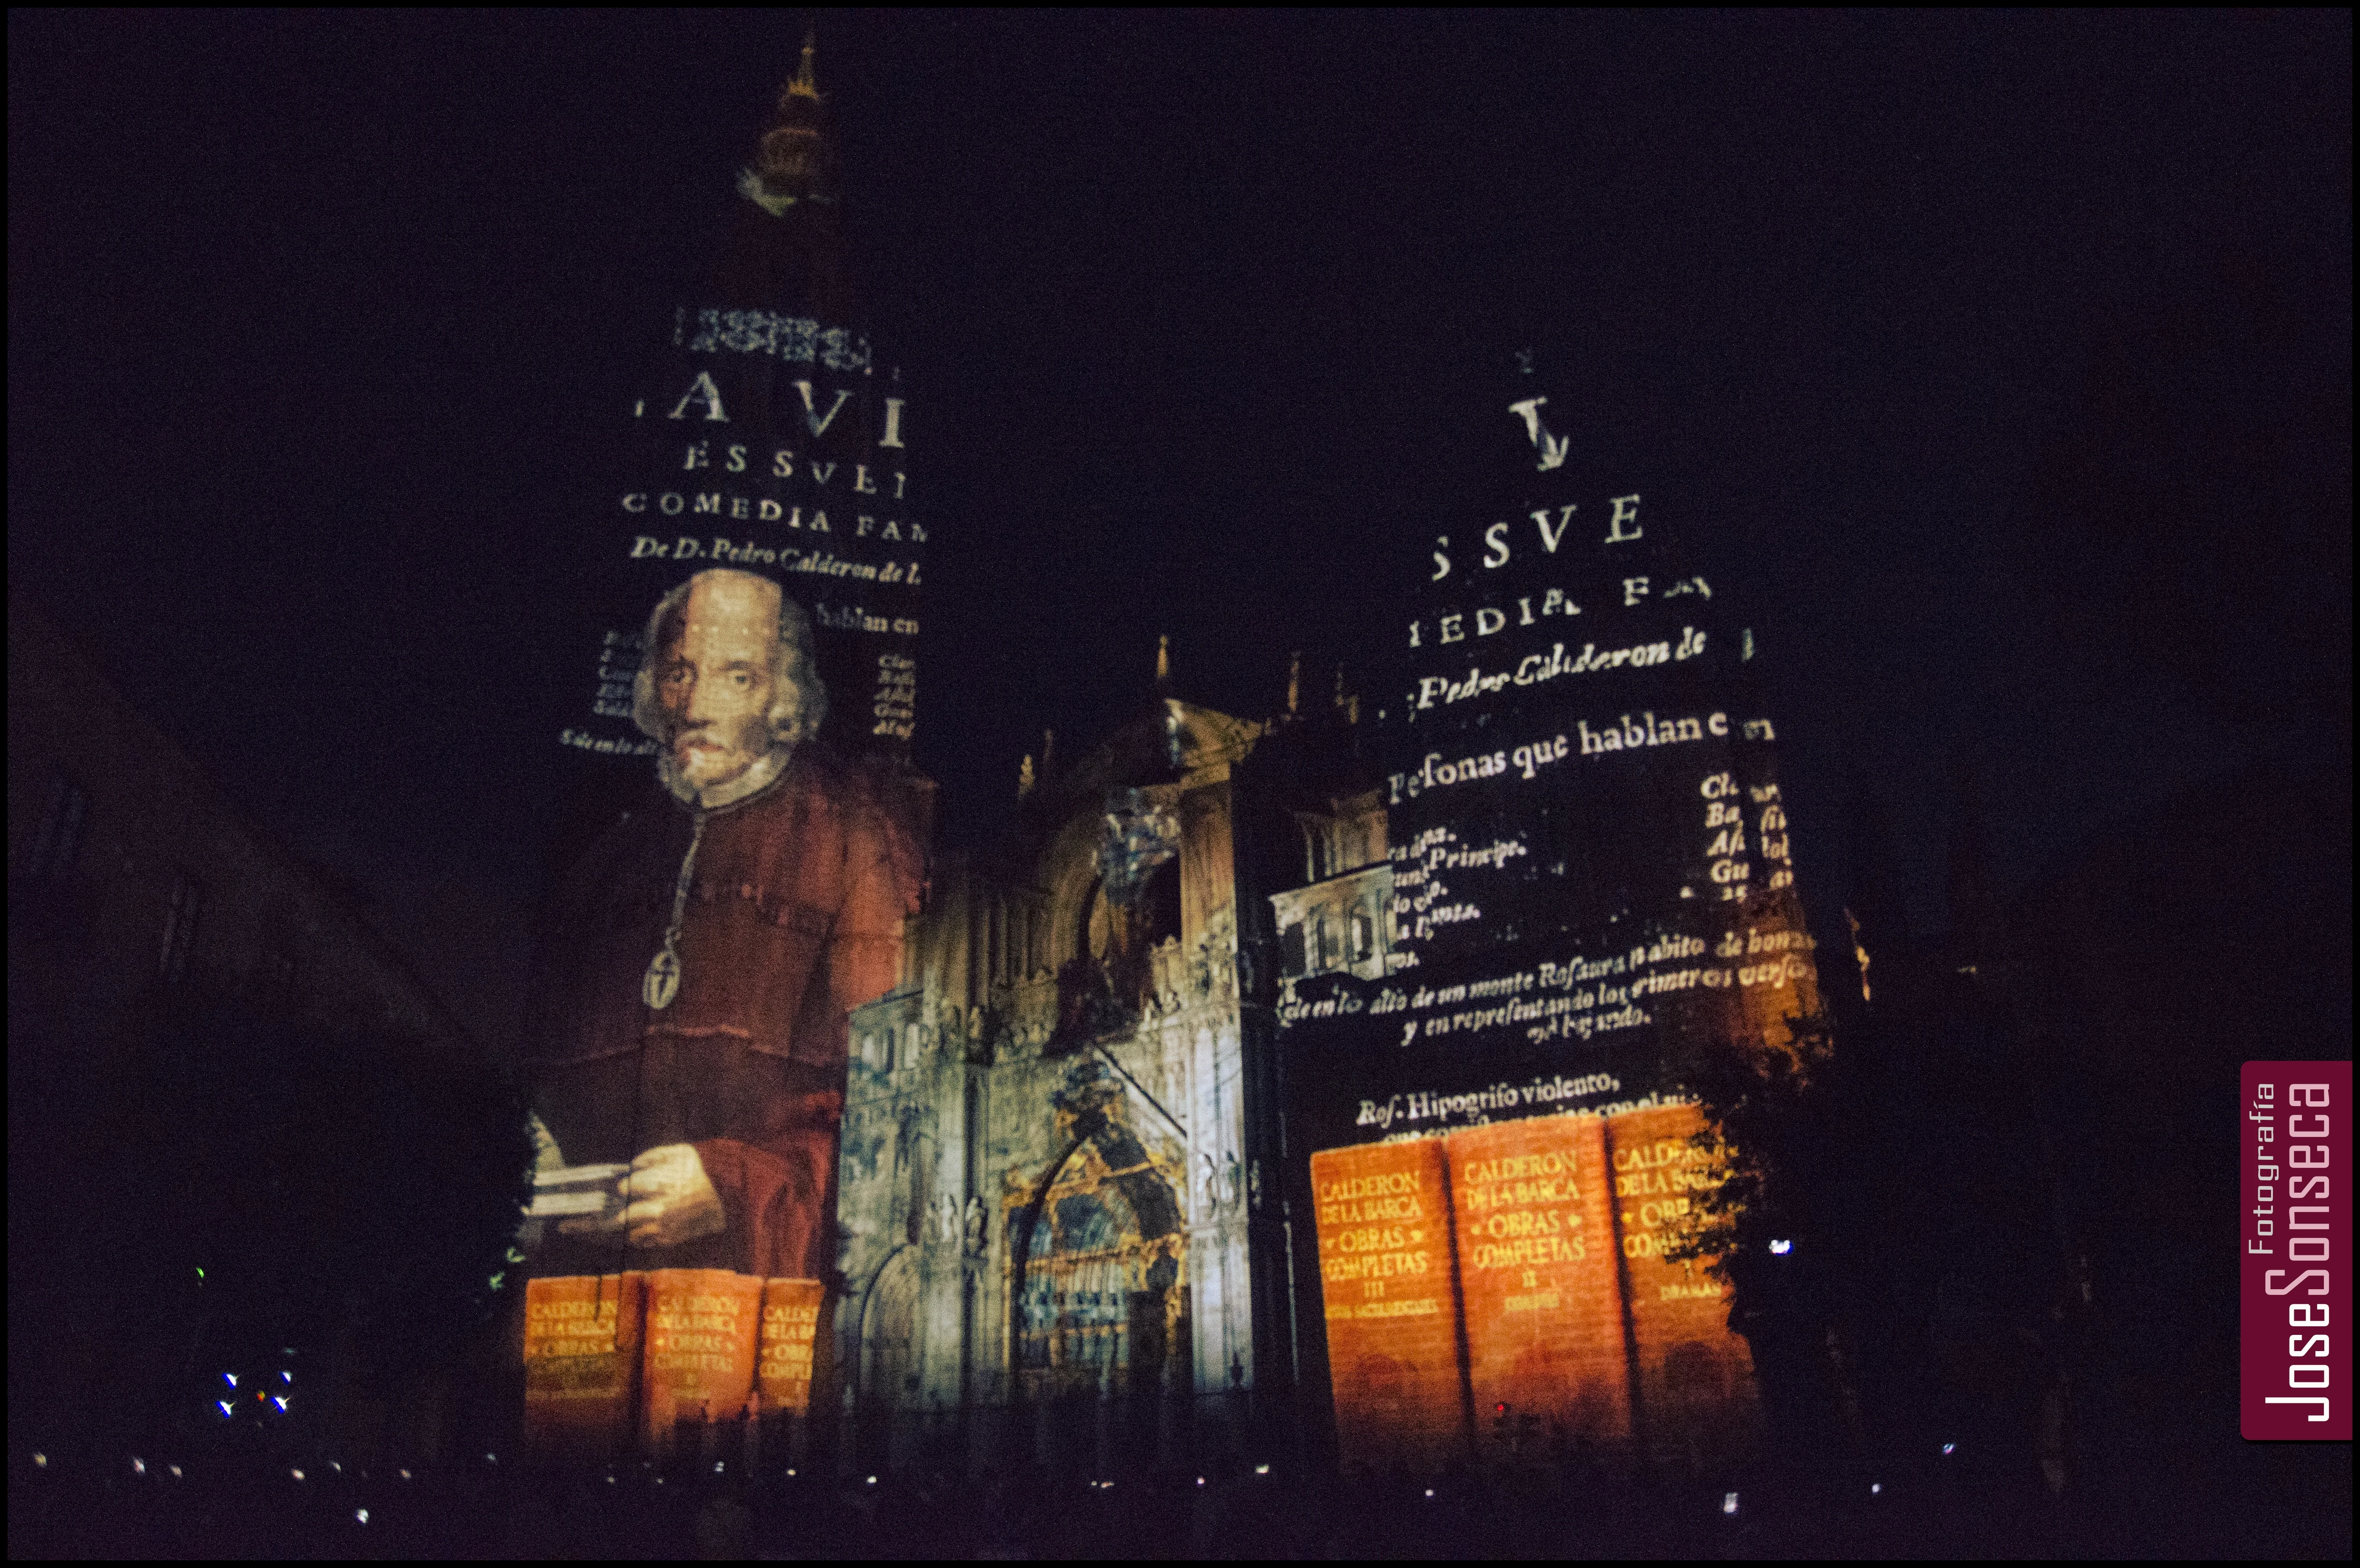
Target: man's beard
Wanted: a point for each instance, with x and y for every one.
(706, 768)
(746, 763)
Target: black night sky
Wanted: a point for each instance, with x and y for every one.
(2008, 358)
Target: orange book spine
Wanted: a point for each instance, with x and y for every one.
(1539, 1285)
(581, 1359)
(701, 1332)
(1693, 1374)
(790, 1313)
(1391, 1302)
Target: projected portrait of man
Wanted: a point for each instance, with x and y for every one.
(689, 1014)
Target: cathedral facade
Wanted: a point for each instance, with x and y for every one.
(1233, 1099)
(1052, 1162)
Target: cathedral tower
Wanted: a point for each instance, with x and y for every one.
(748, 679)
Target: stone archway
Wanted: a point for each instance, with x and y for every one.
(886, 1371)
(1100, 1302)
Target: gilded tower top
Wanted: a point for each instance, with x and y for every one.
(804, 85)
(793, 162)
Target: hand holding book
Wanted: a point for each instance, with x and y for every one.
(664, 1200)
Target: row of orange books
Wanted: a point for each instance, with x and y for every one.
(604, 1351)
(1504, 1287)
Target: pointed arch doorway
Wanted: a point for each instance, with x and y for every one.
(1100, 1305)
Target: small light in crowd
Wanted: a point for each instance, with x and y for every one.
(1200, 1480)
(336, 1467)
(1781, 1247)
(717, 1467)
(224, 1406)
(1429, 1491)
(405, 1474)
(360, 1514)
(1875, 1488)
(1261, 1469)
(280, 1402)
(789, 1472)
(872, 1480)
(1728, 1502)
(40, 1461)
(491, 1459)
(231, 1379)
(287, 1376)
(138, 1466)
(296, 1474)
(1948, 1447)
(175, 1470)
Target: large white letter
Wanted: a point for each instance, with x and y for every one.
(701, 390)
(1626, 510)
(813, 417)
(1564, 521)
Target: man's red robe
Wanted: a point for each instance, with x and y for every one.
(793, 916)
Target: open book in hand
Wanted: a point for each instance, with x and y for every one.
(577, 1190)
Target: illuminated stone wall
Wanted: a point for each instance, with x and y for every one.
(1045, 1187)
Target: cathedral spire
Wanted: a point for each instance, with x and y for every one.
(804, 85)
(793, 162)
